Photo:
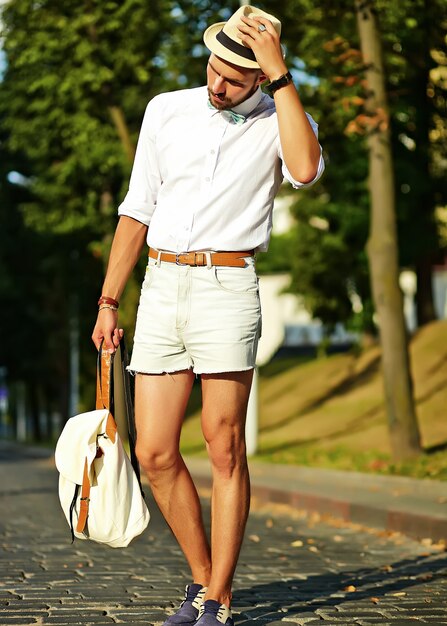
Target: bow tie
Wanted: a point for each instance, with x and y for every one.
(229, 115)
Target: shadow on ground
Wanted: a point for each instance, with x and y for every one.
(318, 596)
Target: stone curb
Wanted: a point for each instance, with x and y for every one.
(421, 512)
(416, 508)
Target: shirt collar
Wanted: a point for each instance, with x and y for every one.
(246, 107)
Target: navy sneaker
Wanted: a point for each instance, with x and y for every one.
(214, 614)
(189, 608)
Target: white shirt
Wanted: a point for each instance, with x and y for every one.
(202, 182)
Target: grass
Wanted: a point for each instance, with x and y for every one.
(330, 412)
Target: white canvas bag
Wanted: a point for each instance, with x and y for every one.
(99, 490)
(100, 495)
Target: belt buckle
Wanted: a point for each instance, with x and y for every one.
(199, 259)
(177, 261)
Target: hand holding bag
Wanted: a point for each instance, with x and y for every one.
(99, 486)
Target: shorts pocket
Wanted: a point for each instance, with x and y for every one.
(149, 277)
(237, 280)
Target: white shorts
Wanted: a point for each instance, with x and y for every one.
(204, 318)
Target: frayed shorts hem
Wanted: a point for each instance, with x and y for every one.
(196, 371)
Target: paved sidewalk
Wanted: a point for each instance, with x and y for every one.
(292, 571)
(417, 508)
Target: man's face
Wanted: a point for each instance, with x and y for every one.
(228, 84)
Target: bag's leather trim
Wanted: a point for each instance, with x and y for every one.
(104, 379)
(111, 428)
(104, 400)
(85, 500)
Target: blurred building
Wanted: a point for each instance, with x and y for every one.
(288, 327)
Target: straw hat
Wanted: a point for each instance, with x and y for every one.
(222, 38)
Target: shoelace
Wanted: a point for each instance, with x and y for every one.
(229, 115)
(213, 610)
(190, 596)
(219, 611)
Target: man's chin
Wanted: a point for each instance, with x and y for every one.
(222, 105)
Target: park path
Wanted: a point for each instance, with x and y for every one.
(293, 569)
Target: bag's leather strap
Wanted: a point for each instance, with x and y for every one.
(104, 400)
(85, 487)
(104, 379)
(201, 259)
(85, 500)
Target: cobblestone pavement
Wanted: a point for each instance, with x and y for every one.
(293, 570)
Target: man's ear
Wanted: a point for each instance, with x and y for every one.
(261, 79)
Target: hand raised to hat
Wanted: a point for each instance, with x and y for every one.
(259, 34)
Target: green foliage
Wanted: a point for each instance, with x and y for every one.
(324, 44)
(67, 65)
(280, 253)
(78, 77)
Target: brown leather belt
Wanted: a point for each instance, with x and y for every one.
(199, 259)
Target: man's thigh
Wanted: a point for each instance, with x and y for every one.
(160, 404)
(225, 399)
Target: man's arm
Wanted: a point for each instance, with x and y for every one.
(300, 147)
(129, 239)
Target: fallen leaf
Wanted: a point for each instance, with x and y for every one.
(426, 541)
(387, 568)
(269, 523)
(254, 538)
(337, 538)
(350, 588)
(313, 549)
(399, 594)
(375, 600)
(297, 544)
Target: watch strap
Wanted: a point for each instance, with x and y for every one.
(282, 81)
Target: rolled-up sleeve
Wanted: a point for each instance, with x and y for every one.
(145, 180)
(285, 172)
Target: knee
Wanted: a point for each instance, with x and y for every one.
(155, 461)
(226, 448)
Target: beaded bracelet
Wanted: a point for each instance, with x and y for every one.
(108, 306)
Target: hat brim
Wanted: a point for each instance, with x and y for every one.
(209, 38)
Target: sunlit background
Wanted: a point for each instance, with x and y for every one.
(75, 81)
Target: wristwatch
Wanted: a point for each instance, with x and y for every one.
(282, 81)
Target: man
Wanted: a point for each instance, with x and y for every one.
(208, 164)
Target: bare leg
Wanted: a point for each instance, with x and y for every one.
(225, 399)
(160, 403)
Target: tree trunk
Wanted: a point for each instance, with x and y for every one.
(425, 307)
(34, 408)
(422, 64)
(382, 248)
(123, 132)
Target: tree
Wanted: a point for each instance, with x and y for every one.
(382, 246)
(323, 47)
(77, 80)
(417, 99)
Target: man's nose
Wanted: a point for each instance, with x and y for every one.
(218, 85)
